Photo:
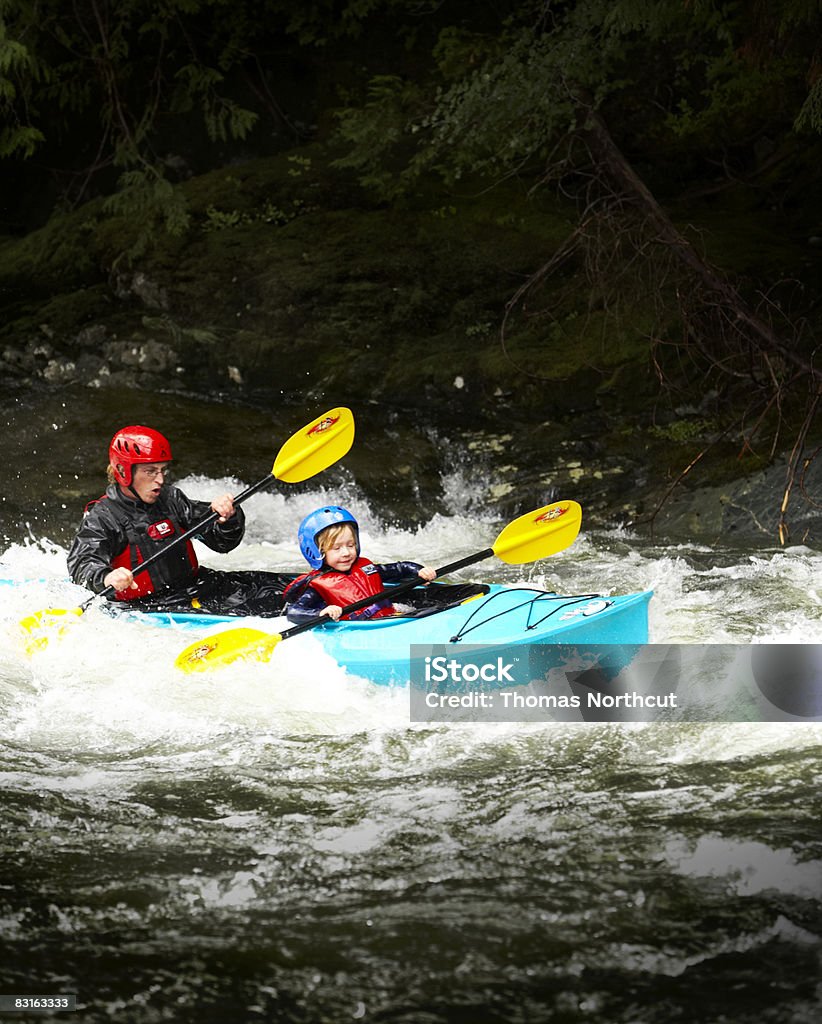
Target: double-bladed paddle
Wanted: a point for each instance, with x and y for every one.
(537, 534)
(310, 450)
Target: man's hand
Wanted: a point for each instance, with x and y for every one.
(224, 507)
(120, 579)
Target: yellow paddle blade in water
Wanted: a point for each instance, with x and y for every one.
(226, 647)
(316, 447)
(45, 625)
(539, 534)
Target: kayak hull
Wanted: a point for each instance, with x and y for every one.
(388, 651)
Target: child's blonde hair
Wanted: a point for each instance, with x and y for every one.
(325, 538)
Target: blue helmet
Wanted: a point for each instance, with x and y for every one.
(315, 522)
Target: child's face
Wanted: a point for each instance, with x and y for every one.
(341, 554)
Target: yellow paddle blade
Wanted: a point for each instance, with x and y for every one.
(39, 628)
(226, 647)
(540, 533)
(315, 447)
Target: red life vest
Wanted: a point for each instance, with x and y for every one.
(144, 541)
(343, 588)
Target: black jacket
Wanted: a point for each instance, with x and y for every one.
(116, 521)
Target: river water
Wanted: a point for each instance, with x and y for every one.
(279, 842)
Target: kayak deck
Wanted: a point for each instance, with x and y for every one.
(488, 614)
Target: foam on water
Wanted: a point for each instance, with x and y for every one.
(109, 687)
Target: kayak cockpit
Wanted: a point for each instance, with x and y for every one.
(436, 597)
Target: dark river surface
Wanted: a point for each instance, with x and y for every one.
(280, 843)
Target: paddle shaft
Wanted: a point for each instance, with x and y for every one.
(400, 588)
(191, 532)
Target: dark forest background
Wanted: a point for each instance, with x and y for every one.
(603, 209)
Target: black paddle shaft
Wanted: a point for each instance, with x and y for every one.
(191, 532)
(392, 592)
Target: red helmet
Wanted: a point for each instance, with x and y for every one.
(133, 445)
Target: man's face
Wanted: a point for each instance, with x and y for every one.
(147, 481)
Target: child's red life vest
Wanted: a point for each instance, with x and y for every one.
(343, 588)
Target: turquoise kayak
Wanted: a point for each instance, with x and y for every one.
(492, 615)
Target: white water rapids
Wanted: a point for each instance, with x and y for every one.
(279, 842)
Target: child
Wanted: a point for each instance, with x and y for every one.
(329, 539)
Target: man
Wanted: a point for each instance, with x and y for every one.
(139, 515)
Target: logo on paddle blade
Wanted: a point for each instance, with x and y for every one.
(201, 652)
(551, 514)
(325, 424)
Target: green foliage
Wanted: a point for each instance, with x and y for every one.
(458, 49)
(127, 65)
(19, 140)
(148, 200)
(683, 430)
(502, 99)
(136, 68)
(219, 220)
(16, 137)
(487, 90)
(223, 117)
(698, 77)
(270, 213)
(300, 165)
(809, 118)
(738, 99)
(373, 131)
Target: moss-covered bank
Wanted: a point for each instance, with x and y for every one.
(290, 281)
(288, 278)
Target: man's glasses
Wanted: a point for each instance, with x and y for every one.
(153, 472)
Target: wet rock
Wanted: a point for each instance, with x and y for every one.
(90, 366)
(110, 378)
(148, 356)
(747, 510)
(32, 360)
(91, 338)
(42, 354)
(18, 361)
(60, 371)
(139, 285)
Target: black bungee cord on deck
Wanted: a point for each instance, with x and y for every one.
(567, 601)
